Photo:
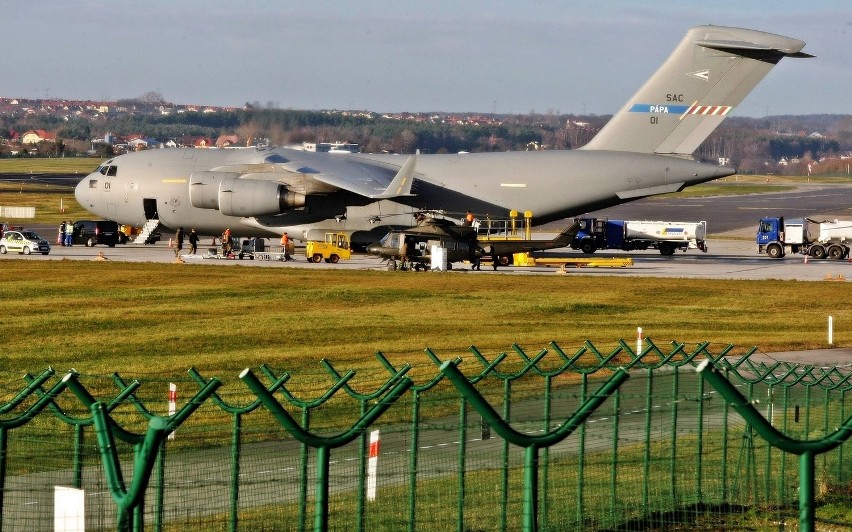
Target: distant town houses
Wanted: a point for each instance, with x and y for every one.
(137, 142)
(93, 109)
(784, 144)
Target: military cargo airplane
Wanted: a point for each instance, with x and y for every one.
(645, 149)
(462, 243)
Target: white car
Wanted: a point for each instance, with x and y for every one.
(25, 242)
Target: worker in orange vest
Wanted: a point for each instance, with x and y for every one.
(227, 243)
(286, 246)
(468, 219)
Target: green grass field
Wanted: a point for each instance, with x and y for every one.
(52, 203)
(140, 318)
(37, 165)
(157, 320)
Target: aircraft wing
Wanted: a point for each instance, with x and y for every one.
(371, 184)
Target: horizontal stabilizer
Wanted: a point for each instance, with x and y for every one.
(743, 48)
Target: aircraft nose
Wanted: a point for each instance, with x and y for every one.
(81, 192)
(84, 193)
(374, 249)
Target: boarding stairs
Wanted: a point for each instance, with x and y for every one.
(148, 229)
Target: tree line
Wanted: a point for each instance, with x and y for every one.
(751, 144)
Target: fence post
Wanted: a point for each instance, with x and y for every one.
(531, 444)
(306, 405)
(806, 450)
(8, 424)
(363, 399)
(236, 437)
(323, 445)
(129, 499)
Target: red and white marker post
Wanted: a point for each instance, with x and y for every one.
(172, 404)
(640, 340)
(372, 465)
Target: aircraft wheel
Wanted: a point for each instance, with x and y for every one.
(334, 259)
(27, 250)
(317, 258)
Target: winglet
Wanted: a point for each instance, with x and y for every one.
(401, 184)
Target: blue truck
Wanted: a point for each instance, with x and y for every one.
(827, 239)
(627, 235)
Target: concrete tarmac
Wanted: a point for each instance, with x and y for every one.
(726, 259)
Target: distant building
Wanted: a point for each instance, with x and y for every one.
(227, 141)
(331, 147)
(35, 136)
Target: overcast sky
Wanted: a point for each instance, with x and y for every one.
(513, 56)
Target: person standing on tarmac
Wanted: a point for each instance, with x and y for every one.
(178, 242)
(227, 244)
(61, 233)
(193, 242)
(285, 246)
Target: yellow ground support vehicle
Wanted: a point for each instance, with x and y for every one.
(332, 249)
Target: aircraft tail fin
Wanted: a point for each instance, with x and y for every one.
(702, 81)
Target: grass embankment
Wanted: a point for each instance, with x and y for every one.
(753, 184)
(137, 319)
(69, 165)
(53, 203)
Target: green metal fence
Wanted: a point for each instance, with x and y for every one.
(582, 439)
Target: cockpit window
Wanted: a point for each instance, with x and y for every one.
(109, 170)
(112, 170)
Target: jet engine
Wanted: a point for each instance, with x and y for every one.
(239, 196)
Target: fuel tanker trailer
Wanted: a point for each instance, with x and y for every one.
(628, 235)
(827, 239)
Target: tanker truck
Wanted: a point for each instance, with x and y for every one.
(602, 233)
(817, 239)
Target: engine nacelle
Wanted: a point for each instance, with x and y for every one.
(234, 196)
(204, 188)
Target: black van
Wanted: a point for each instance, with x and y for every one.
(91, 232)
